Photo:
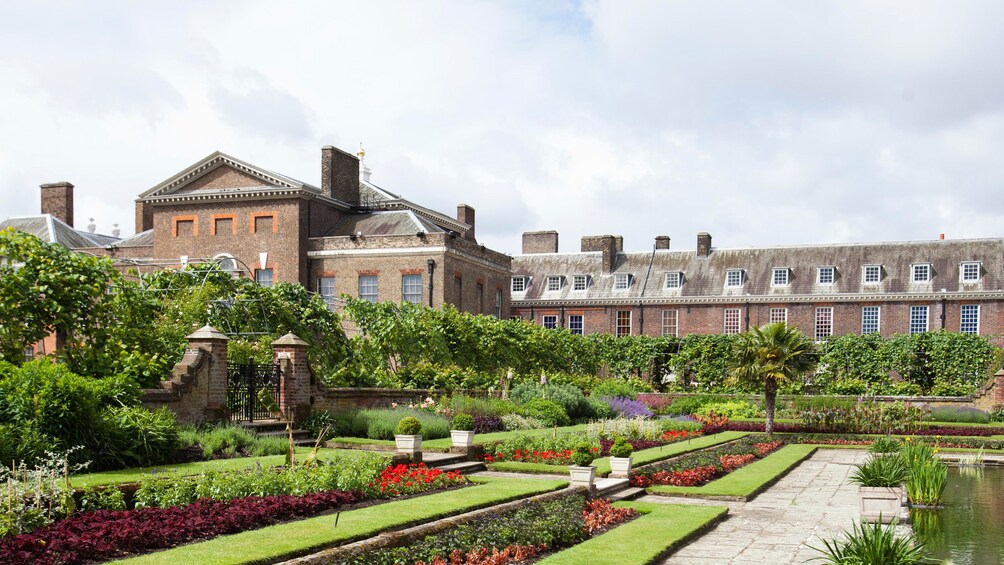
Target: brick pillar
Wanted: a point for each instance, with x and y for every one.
(294, 392)
(998, 390)
(214, 343)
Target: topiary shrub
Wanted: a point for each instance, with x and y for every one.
(463, 422)
(583, 455)
(621, 448)
(547, 411)
(409, 426)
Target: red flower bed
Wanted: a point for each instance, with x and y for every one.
(484, 556)
(107, 534)
(678, 435)
(733, 462)
(685, 478)
(767, 447)
(406, 479)
(784, 427)
(712, 423)
(599, 514)
(551, 457)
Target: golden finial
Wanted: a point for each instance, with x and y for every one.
(362, 152)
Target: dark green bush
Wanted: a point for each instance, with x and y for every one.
(568, 396)
(409, 426)
(601, 410)
(621, 448)
(964, 414)
(687, 405)
(463, 422)
(997, 414)
(547, 411)
(614, 388)
(317, 421)
(583, 454)
(132, 436)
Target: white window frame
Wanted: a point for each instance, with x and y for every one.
(328, 298)
(617, 322)
(823, 326)
(878, 274)
(622, 281)
(549, 321)
(734, 278)
(730, 327)
(261, 281)
(976, 265)
(671, 323)
(408, 283)
(865, 310)
(916, 329)
(780, 272)
(916, 268)
(554, 282)
(674, 279)
(974, 323)
(523, 284)
(498, 303)
(778, 315)
(826, 269)
(577, 324)
(580, 282)
(372, 282)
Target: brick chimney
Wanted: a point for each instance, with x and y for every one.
(465, 214)
(57, 199)
(144, 216)
(339, 174)
(605, 243)
(662, 242)
(540, 242)
(703, 244)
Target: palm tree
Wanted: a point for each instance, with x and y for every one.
(770, 356)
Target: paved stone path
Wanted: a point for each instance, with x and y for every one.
(812, 503)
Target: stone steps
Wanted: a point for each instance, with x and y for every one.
(629, 493)
(606, 487)
(465, 467)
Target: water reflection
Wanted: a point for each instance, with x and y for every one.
(969, 530)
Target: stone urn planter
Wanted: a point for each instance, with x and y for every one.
(462, 438)
(620, 467)
(408, 443)
(583, 476)
(880, 503)
(409, 437)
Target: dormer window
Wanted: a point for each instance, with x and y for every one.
(580, 282)
(826, 275)
(872, 274)
(734, 277)
(970, 271)
(674, 279)
(519, 284)
(780, 276)
(922, 273)
(622, 281)
(554, 282)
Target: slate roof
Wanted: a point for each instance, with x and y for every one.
(50, 229)
(704, 278)
(141, 239)
(401, 222)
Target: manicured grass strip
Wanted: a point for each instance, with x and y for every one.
(364, 441)
(746, 482)
(642, 457)
(197, 467)
(662, 528)
(285, 541)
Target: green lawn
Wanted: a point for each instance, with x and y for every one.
(642, 457)
(746, 482)
(136, 474)
(301, 537)
(662, 528)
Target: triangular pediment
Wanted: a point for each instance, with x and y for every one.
(222, 172)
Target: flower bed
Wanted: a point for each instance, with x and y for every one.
(846, 439)
(698, 468)
(534, 528)
(106, 534)
(786, 427)
(410, 479)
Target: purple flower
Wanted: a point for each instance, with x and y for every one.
(627, 408)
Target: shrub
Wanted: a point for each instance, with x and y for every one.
(583, 454)
(409, 426)
(997, 414)
(614, 388)
(489, 424)
(132, 436)
(880, 471)
(34, 496)
(886, 445)
(633, 428)
(964, 414)
(600, 409)
(463, 422)
(902, 388)
(317, 421)
(226, 440)
(102, 498)
(382, 423)
(515, 422)
(687, 405)
(571, 399)
(621, 448)
(849, 386)
(627, 408)
(479, 406)
(874, 543)
(549, 412)
(730, 409)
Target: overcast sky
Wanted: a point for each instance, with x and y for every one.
(763, 123)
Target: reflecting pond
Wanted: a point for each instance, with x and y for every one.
(970, 528)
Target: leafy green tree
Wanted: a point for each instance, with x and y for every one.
(769, 356)
(852, 356)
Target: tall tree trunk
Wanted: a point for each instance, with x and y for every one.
(770, 396)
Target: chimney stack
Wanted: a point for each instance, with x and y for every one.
(57, 200)
(662, 242)
(703, 244)
(608, 244)
(339, 174)
(144, 216)
(465, 214)
(540, 242)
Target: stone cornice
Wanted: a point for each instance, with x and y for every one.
(788, 299)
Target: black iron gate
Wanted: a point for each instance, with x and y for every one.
(245, 381)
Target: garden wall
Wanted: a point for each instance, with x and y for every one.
(197, 389)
